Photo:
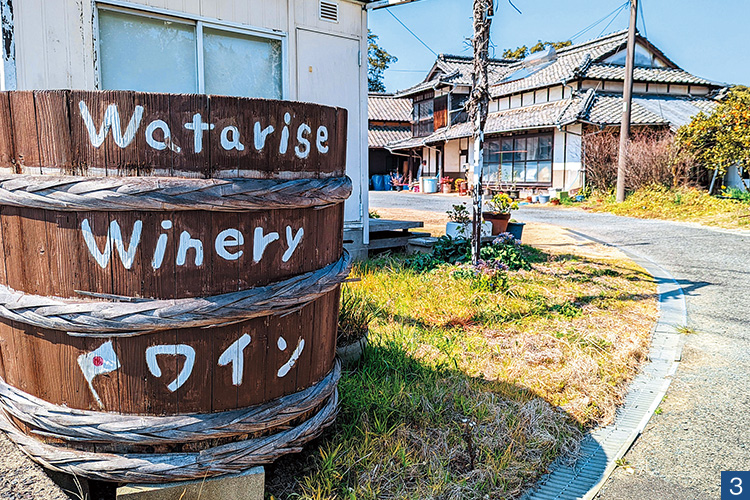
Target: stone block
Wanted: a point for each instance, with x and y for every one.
(248, 485)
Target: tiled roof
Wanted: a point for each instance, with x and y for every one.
(672, 111)
(531, 117)
(386, 108)
(457, 70)
(379, 136)
(657, 75)
(571, 62)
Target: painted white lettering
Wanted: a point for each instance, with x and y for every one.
(260, 242)
(111, 121)
(114, 235)
(292, 242)
(171, 350)
(198, 127)
(186, 242)
(261, 135)
(127, 256)
(160, 145)
(303, 149)
(234, 354)
(161, 246)
(229, 238)
(233, 143)
(284, 144)
(295, 356)
(281, 344)
(101, 258)
(322, 139)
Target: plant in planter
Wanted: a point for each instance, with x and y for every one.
(461, 186)
(445, 184)
(498, 212)
(459, 225)
(355, 315)
(516, 228)
(459, 222)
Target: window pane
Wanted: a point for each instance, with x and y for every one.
(145, 54)
(545, 171)
(241, 65)
(492, 152)
(531, 167)
(532, 143)
(545, 148)
(425, 109)
(491, 172)
(518, 173)
(519, 145)
(507, 172)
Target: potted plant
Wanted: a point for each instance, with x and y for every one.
(459, 222)
(355, 315)
(445, 183)
(515, 228)
(498, 212)
(459, 225)
(461, 186)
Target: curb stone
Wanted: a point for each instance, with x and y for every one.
(602, 447)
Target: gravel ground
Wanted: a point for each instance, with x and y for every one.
(702, 427)
(22, 479)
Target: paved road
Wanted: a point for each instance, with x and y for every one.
(704, 426)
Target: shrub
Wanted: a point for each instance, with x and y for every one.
(653, 158)
(505, 249)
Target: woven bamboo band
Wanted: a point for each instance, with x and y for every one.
(67, 424)
(71, 193)
(128, 317)
(166, 467)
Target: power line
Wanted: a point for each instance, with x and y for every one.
(643, 19)
(590, 26)
(613, 19)
(410, 31)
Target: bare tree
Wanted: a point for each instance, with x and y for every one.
(478, 108)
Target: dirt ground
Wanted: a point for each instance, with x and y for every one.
(546, 237)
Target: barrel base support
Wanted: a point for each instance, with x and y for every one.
(248, 485)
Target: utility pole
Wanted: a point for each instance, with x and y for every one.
(478, 108)
(627, 98)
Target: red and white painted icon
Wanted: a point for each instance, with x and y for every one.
(99, 361)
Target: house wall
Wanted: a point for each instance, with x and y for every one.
(55, 44)
(566, 166)
(452, 163)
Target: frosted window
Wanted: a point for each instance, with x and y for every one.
(241, 65)
(146, 54)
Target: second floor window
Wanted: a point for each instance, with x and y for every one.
(423, 123)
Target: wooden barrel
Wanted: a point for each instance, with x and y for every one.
(169, 279)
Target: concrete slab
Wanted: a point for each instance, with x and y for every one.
(248, 485)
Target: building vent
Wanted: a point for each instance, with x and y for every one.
(329, 11)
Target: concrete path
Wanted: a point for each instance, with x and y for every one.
(703, 422)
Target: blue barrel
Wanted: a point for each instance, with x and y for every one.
(377, 183)
(430, 184)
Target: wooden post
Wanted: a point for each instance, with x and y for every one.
(478, 107)
(627, 97)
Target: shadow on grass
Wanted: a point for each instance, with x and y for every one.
(409, 429)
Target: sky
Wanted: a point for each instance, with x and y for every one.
(705, 38)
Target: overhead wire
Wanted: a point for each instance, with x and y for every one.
(410, 31)
(613, 19)
(592, 25)
(643, 19)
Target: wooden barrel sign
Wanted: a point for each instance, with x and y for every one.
(169, 286)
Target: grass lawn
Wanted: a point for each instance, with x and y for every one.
(679, 204)
(469, 393)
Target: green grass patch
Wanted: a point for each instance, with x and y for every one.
(471, 392)
(679, 204)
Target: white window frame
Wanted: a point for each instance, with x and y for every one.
(199, 22)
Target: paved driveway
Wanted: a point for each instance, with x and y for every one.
(704, 426)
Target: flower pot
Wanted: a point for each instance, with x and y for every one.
(463, 188)
(555, 201)
(352, 353)
(456, 230)
(543, 198)
(499, 221)
(535, 198)
(516, 229)
(446, 188)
